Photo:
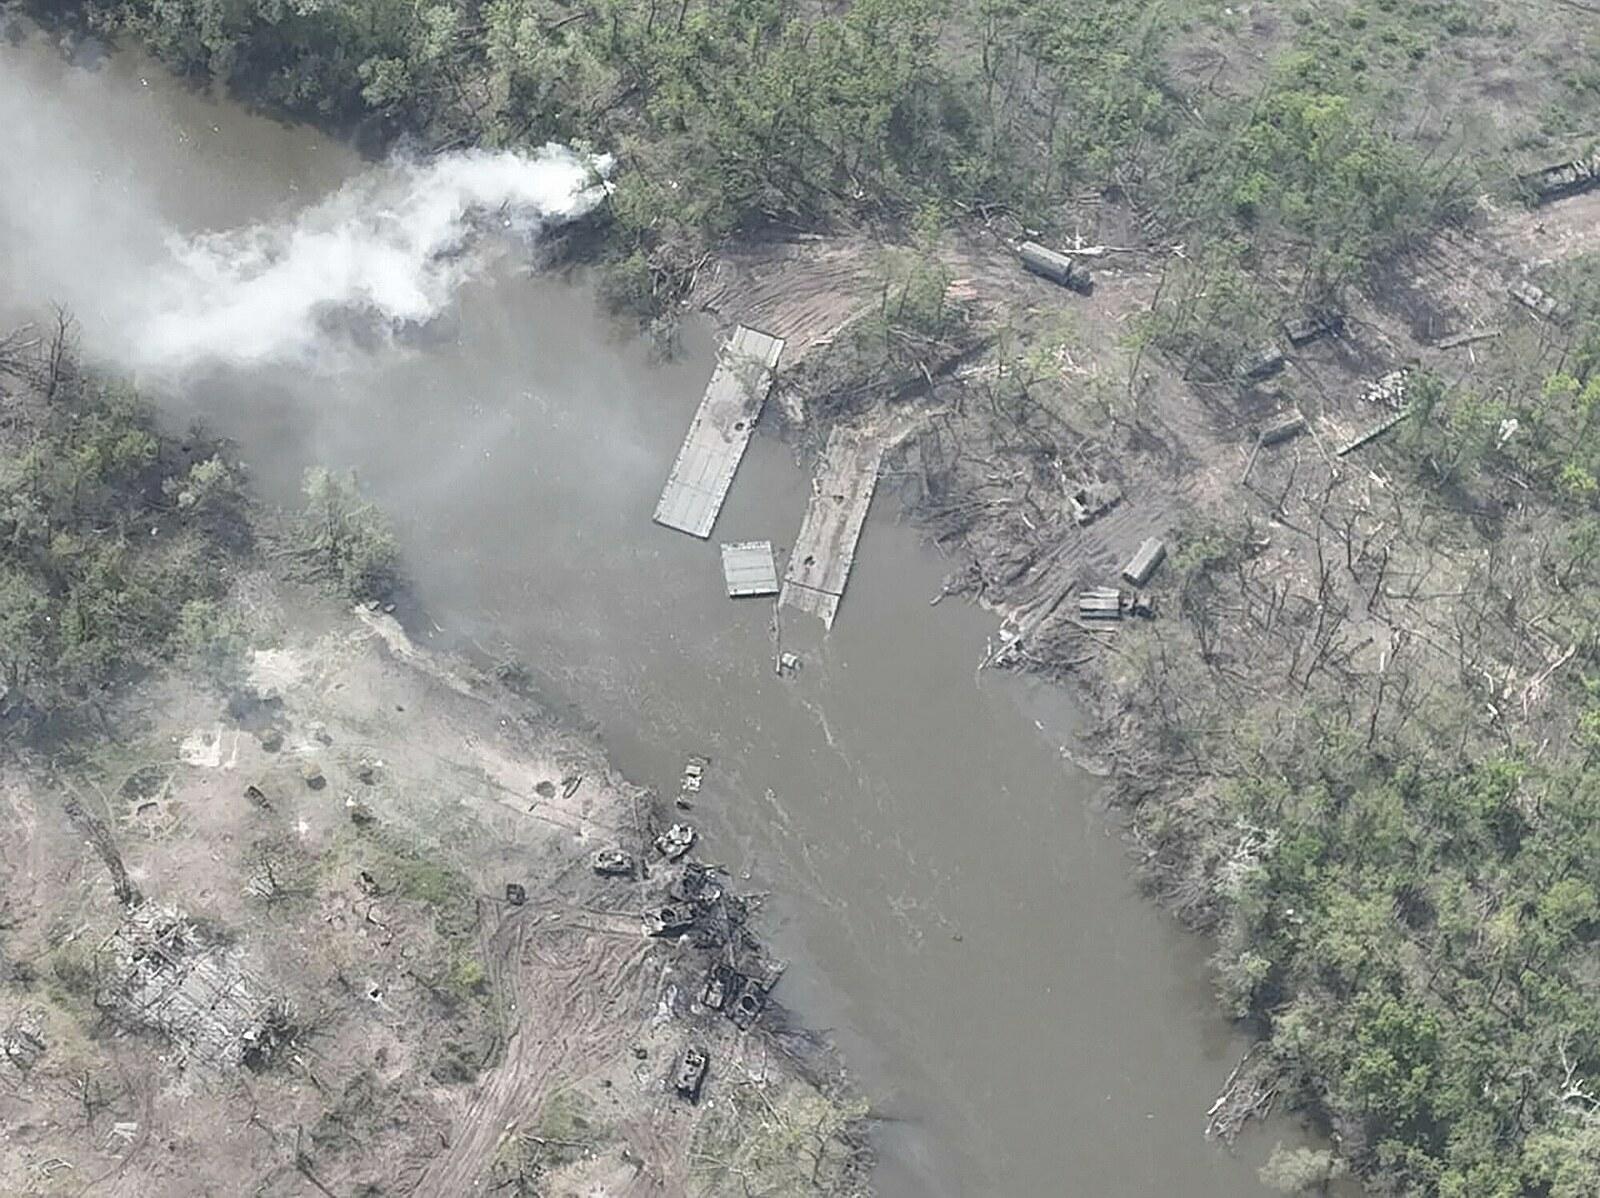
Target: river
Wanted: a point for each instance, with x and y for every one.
(959, 913)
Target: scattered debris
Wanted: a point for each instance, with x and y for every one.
(263, 884)
(1143, 564)
(1249, 1093)
(1372, 433)
(675, 841)
(1089, 501)
(1457, 340)
(360, 814)
(691, 1073)
(720, 982)
(1110, 603)
(698, 884)
(613, 863)
(156, 971)
(22, 1043)
(1537, 300)
(366, 771)
(516, 894)
(367, 884)
(1283, 430)
(1264, 363)
(203, 748)
(1100, 603)
(748, 569)
(1388, 390)
(1273, 434)
(1057, 267)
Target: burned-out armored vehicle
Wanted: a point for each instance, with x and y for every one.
(690, 1074)
(613, 863)
(675, 841)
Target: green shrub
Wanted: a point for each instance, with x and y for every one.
(344, 541)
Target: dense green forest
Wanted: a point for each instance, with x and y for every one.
(119, 540)
(781, 114)
(1402, 867)
(1404, 888)
(114, 539)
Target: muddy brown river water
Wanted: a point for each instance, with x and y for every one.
(960, 916)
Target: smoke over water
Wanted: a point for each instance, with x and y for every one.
(386, 251)
(108, 175)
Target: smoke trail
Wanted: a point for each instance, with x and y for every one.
(387, 250)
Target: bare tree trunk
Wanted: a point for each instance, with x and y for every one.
(104, 844)
(60, 357)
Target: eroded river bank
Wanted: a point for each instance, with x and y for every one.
(959, 915)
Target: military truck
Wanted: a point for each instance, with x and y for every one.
(1057, 267)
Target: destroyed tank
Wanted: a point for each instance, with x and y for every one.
(669, 919)
(1561, 179)
(719, 982)
(675, 841)
(613, 863)
(747, 1007)
(1537, 300)
(691, 1072)
(1263, 363)
(699, 885)
(1302, 330)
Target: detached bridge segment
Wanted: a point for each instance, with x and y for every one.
(825, 548)
(719, 433)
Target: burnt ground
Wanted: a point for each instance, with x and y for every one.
(319, 985)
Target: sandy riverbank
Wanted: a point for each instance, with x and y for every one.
(318, 979)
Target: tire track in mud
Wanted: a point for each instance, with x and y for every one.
(803, 292)
(573, 995)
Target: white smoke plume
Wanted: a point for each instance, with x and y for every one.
(387, 250)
